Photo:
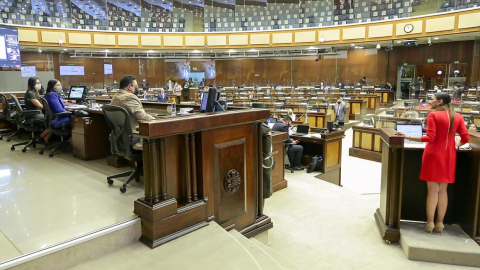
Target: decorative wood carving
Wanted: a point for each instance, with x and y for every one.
(232, 181)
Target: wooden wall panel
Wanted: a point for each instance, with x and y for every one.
(301, 37)
(354, 33)
(229, 72)
(154, 72)
(359, 64)
(440, 24)
(279, 71)
(447, 52)
(126, 66)
(94, 72)
(53, 37)
(253, 71)
(305, 72)
(469, 20)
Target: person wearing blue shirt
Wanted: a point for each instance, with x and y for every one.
(162, 96)
(56, 104)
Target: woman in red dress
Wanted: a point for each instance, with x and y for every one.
(440, 155)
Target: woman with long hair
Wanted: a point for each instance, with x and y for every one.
(54, 89)
(440, 155)
(291, 114)
(32, 102)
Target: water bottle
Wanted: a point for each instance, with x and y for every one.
(174, 109)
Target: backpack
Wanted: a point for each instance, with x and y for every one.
(316, 165)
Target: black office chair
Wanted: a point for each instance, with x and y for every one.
(121, 143)
(9, 115)
(25, 121)
(64, 130)
(287, 159)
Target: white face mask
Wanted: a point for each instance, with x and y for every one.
(38, 86)
(59, 89)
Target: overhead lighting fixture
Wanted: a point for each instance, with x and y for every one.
(150, 51)
(399, 41)
(311, 48)
(253, 50)
(439, 72)
(64, 49)
(232, 51)
(435, 38)
(196, 51)
(353, 44)
(107, 50)
(379, 46)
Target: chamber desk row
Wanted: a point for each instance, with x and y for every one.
(403, 195)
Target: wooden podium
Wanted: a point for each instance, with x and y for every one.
(403, 195)
(356, 106)
(200, 168)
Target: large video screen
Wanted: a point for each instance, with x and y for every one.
(9, 48)
(72, 71)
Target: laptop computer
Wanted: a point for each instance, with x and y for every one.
(302, 130)
(411, 130)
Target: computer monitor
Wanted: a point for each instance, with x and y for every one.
(207, 103)
(410, 129)
(368, 122)
(77, 93)
(258, 105)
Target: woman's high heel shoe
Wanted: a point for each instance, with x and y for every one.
(429, 228)
(439, 227)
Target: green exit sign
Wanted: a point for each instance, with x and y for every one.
(430, 60)
(456, 62)
(405, 64)
(194, 68)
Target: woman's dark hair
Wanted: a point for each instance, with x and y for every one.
(446, 106)
(31, 86)
(31, 83)
(51, 85)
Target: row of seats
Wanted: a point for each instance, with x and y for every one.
(458, 5)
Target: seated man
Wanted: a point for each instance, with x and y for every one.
(295, 151)
(162, 96)
(127, 99)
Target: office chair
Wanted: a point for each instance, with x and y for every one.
(30, 125)
(8, 114)
(64, 130)
(286, 158)
(121, 143)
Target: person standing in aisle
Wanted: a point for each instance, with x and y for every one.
(440, 155)
(186, 90)
(177, 91)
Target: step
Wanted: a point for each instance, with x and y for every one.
(265, 261)
(210, 247)
(280, 259)
(450, 247)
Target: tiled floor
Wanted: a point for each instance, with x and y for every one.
(45, 201)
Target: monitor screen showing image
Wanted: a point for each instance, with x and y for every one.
(9, 47)
(29, 71)
(107, 69)
(72, 71)
(203, 103)
(76, 92)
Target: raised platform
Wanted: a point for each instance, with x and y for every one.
(453, 246)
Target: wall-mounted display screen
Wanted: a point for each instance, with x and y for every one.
(9, 47)
(29, 71)
(72, 70)
(107, 69)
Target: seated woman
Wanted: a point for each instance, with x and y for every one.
(55, 103)
(32, 103)
(472, 127)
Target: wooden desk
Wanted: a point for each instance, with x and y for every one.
(366, 143)
(90, 136)
(387, 97)
(329, 146)
(316, 119)
(357, 106)
(201, 168)
(403, 195)
(278, 153)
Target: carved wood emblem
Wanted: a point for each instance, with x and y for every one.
(232, 181)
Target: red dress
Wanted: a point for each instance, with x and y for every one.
(440, 155)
